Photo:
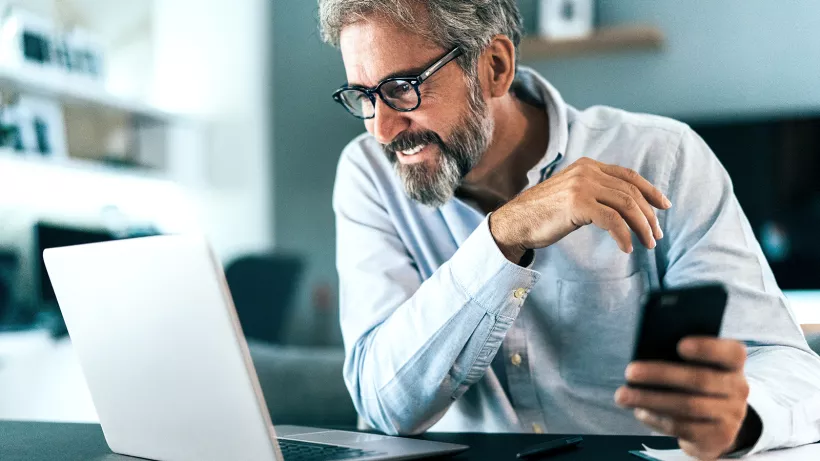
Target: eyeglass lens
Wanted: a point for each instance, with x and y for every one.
(398, 94)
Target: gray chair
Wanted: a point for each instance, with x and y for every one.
(303, 386)
(263, 288)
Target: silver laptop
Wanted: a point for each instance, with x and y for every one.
(156, 333)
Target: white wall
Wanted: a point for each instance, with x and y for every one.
(130, 64)
(210, 59)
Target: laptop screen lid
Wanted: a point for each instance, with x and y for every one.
(153, 325)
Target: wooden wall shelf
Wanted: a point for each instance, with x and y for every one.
(608, 39)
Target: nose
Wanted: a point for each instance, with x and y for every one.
(387, 123)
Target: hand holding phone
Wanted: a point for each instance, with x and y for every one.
(671, 315)
(702, 398)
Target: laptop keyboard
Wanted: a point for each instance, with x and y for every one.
(306, 451)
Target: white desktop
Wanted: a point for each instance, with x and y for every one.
(805, 304)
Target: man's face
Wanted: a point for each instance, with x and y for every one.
(436, 145)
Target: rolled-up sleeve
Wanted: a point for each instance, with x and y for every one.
(413, 346)
(709, 239)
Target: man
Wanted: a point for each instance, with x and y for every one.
(490, 280)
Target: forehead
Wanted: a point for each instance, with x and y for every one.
(373, 49)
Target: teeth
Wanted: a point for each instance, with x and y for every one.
(414, 150)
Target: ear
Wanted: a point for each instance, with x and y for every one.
(499, 59)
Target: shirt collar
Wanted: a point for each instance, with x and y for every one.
(535, 89)
(531, 86)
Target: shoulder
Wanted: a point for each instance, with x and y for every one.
(365, 155)
(631, 125)
(364, 173)
(651, 144)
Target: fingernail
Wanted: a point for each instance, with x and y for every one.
(685, 347)
(629, 371)
(666, 202)
(660, 232)
(629, 249)
(641, 414)
(622, 396)
(654, 244)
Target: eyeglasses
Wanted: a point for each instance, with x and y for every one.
(400, 93)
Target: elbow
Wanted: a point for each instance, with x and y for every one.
(395, 421)
(397, 416)
(379, 413)
(389, 412)
(404, 423)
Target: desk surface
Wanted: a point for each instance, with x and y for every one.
(31, 441)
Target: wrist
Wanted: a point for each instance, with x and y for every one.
(505, 237)
(749, 433)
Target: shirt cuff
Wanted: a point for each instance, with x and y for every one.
(488, 277)
(776, 421)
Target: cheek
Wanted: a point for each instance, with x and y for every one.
(442, 111)
(440, 119)
(435, 104)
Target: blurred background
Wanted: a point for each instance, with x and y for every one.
(130, 118)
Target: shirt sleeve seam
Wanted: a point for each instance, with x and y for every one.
(660, 256)
(420, 353)
(472, 367)
(469, 295)
(475, 359)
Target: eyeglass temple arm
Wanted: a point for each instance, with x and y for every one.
(439, 64)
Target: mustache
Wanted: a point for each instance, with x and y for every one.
(406, 141)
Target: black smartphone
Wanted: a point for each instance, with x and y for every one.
(671, 315)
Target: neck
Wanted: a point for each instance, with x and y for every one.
(520, 139)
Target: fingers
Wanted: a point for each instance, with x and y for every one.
(613, 198)
(670, 426)
(708, 406)
(690, 378)
(632, 213)
(611, 221)
(652, 195)
(680, 406)
(633, 191)
(723, 353)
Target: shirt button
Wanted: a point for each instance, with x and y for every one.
(519, 293)
(516, 359)
(537, 428)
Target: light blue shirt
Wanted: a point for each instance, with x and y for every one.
(441, 332)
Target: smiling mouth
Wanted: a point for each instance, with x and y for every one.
(414, 150)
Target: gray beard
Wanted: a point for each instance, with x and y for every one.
(435, 184)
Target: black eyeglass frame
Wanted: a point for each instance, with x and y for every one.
(415, 82)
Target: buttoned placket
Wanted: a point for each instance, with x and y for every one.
(520, 381)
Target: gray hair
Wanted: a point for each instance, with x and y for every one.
(469, 24)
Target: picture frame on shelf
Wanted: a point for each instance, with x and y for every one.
(85, 54)
(566, 19)
(25, 37)
(36, 126)
(36, 43)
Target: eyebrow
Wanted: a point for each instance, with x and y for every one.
(408, 73)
